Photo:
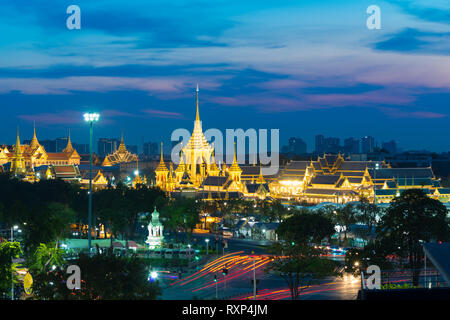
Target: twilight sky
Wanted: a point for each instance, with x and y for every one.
(305, 67)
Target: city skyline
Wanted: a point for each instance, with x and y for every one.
(311, 147)
(303, 68)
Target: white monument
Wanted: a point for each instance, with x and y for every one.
(155, 231)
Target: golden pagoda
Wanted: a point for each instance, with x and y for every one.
(198, 150)
(260, 179)
(161, 172)
(121, 155)
(179, 172)
(234, 170)
(137, 179)
(213, 168)
(18, 161)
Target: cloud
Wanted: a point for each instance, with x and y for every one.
(413, 40)
(62, 118)
(397, 113)
(162, 114)
(298, 101)
(68, 85)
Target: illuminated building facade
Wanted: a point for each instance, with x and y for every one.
(121, 155)
(199, 172)
(24, 158)
(331, 178)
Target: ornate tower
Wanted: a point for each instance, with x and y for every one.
(213, 168)
(197, 149)
(235, 171)
(161, 172)
(18, 161)
(74, 157)
(180, 169)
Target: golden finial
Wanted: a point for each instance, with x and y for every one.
(197, 118)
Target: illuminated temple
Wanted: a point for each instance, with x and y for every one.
(121, 155)
(23, 158)
(198, 172)
(331, 178)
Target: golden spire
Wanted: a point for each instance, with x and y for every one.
(122, 148)
(34, 142)
(181, 167)
(69, 147)
(197, 118)
(213, 168)
(18, 163)
(260, 179)
(18, 150)
(235, 167)
(161, 166)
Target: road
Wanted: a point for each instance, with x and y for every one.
(237, 284)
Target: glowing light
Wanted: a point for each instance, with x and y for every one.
(91, 117)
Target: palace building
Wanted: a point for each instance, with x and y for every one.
(331, 178)
(24, 158)
(121, 155)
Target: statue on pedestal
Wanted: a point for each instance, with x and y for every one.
(155, 231)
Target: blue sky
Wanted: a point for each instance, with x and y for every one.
(305, 67)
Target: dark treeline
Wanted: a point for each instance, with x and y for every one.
(45, 210)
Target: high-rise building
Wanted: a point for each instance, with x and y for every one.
(327, 145)
(367, 144)
(320, 147)
(296, 146)
(107, 146)
(332, 145)
(351, 146)
(390, 146)
(49, 145)
(61, 143)
(150, 148)
(82, 148)
(132, 149)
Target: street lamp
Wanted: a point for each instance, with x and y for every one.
(91, 118)
(12, 272)
(189, 246)
(207, 246)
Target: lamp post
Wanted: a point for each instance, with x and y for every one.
(207, 246)
(12, 272)
(91, 118)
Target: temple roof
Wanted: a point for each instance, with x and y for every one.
(197, 140)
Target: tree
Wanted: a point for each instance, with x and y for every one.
(8, 252)
(300, 265)
(345, 217)
(296, 260)
(368, 214)
(50, 224)
(104, 276)
(181, 215)
(304, 227)
(412, 219)
(45, 257)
